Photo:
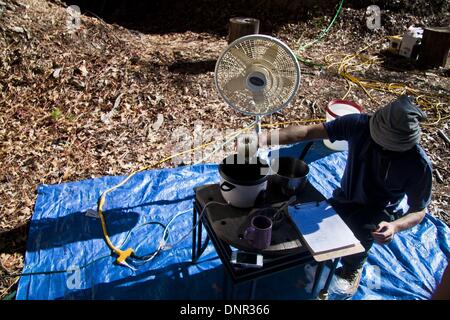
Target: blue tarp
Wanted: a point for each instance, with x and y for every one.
(65, 234)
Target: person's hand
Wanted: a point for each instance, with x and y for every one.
(384, 233)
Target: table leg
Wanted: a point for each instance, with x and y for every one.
(324, 292)
(227, 285)
(233, 290)
(331, 274)
(224, 284)
(194, 233)
(253, 289)
(204, 246)
(317, 276)
(197, 247)
(199, 237)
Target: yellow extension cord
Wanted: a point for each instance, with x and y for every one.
(351, 63)
(125, 254)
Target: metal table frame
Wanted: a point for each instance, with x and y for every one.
(238, 276)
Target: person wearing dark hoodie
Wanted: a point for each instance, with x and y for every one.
(385, 163)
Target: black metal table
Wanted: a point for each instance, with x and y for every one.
(223, 224)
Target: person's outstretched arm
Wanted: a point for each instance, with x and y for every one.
(294, 134)
(386, 230)
(418, 189)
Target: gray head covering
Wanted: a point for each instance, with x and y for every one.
(396, 126)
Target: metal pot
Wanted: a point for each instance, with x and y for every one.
(242, 181)
(291, 174)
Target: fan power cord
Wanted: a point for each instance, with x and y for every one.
(171, 245)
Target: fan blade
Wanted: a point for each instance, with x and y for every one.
(258, 97)
(271, 53)
(235, 84)
(241, 56)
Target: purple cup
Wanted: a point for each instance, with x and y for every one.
(259, 232)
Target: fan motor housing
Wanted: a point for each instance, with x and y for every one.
(256, 81)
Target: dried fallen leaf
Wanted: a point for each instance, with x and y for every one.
(56, 73)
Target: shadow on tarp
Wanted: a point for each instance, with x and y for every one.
(78, 226)
(173, 281)
(177, 282)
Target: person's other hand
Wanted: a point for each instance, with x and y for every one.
(384, 233)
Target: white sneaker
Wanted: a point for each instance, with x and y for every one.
(346, 283)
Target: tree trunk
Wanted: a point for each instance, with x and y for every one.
(435, 47)
(240, 27)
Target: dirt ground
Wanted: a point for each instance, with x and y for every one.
(83, 104)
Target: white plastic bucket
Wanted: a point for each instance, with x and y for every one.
(335, 109)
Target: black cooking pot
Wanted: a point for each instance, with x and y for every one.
(291, 174)
(242, 181)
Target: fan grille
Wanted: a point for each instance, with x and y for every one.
(257, 54)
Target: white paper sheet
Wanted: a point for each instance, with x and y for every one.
(321, 227)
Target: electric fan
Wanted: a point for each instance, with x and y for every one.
(257, 75)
